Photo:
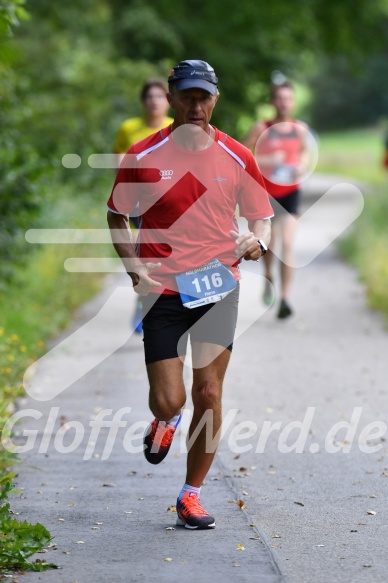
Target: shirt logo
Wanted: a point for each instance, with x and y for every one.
(166, 174)
(220, 179)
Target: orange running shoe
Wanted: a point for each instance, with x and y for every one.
(158, 439)
(191, 513)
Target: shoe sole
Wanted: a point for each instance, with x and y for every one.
(182, 522)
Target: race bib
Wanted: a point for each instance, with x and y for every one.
(206, 284)
(284, 174)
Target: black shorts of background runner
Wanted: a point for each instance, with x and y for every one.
(167, 324)
(286, 204)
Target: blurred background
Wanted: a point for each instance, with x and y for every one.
(71, 72)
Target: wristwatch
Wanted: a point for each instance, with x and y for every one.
(263, 247)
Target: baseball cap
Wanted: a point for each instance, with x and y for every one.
(193, 73)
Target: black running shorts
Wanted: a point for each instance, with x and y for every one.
(286, 204)
(167, 324)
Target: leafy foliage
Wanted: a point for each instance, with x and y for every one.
(19, 540)
(347, 96)
(11, 13)
(247, 43)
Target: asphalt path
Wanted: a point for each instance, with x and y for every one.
(313, 515)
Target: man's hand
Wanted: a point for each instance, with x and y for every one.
(142, 283)
(247, 246)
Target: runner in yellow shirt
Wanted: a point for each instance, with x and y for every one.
(154, 119)
(155, 104)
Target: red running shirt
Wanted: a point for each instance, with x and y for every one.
(272, 141)
(187, 201)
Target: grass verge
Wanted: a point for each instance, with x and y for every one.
(366, 247)
(355, 153)
(359, 155)
(34, 307)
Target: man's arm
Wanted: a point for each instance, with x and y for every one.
(304, 154)
(123, 243)
(253, 135)
(247, 245)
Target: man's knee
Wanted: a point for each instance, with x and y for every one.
(165, 407)
(207, 394)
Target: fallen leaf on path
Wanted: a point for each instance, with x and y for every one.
(109, 485)
(170, 528)
(98, 523)
(367, 565)
(61, 520)
(253, 524)
(240, 547)
(241, 504)
(254, 537)
(80, 542)
(242, 469)
(245, 493)
(171, 508)
(65, 553)
(168, 559)
(127, 511)
(299, 503)
(276, 536)
(371, 512)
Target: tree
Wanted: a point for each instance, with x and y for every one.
(246, 42)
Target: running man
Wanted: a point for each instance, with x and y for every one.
(155, 106)
(282, 155)
(188, 179)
